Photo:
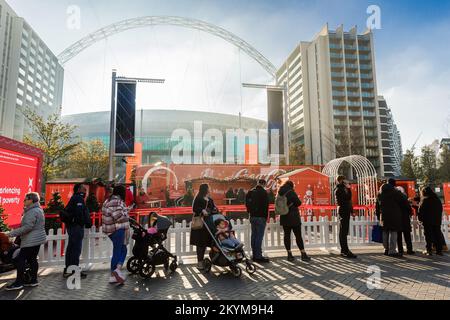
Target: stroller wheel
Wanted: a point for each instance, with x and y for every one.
(250, 268)
(173, 266)
(237, 271)
(207, 265)
(147, 270)
(133, 265)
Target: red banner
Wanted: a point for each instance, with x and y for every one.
(19, 175)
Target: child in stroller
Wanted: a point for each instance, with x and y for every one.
(226, 236)
(226, 249)
(148, 249)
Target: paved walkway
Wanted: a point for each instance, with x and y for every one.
(327, 276)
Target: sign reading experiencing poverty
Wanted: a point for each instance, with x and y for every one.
(20, 173)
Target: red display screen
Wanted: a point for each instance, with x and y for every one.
(19, 175)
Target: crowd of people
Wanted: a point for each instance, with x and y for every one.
(393, 210)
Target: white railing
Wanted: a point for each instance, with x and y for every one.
(317, 233)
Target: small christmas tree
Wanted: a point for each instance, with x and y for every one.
(188, 198)
(92, 203)
(3, 225)
(54, 206)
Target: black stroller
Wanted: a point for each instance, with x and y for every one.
(7, 261)
(148, 249)
(223, 256)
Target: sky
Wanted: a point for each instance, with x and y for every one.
(204, 72)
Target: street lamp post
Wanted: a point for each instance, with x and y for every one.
(284, 90)
(112, 138)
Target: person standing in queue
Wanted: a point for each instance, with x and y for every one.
(343, 196)
(257, 204)
(203, 206)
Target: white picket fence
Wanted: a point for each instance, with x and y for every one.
(317, 233)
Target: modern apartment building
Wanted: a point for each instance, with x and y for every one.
(332, 90)
(30, 74)
(391, 142)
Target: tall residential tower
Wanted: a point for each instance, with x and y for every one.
(30, 74)
(333, 97)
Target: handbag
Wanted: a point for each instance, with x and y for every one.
(197, 221)
(377, 234)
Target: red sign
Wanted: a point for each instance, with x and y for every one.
(19, 175)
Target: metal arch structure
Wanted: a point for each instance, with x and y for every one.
(146, 21)
(366, 176)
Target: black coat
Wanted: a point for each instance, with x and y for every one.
(390, 205)
(343, 196)
(430, 211)
(78, 211)
(201, 237)
(406, 215)
(292, 219)
(257, 202)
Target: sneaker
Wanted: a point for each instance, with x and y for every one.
(348, 254)
(410, 252)
(262, 260)
(14, 286)
(32, 283)
(119, 276)
(305, 257)
(386, 252)
(395, 255)
(112, 279)
(427, 253)
(290, 258)
(201, 265)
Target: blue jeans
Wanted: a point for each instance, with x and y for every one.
(258, 230)
(119, 249)
(73, 250)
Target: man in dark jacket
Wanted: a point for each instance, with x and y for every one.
(389, 208)
(406, 223)
(79, 219)
(257, 203)
(343, 197)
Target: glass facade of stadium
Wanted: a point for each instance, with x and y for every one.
(154, 129)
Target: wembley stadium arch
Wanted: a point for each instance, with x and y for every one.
(146, 21)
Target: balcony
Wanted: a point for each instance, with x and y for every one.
(353, 94)
(338, 103)
(337, 74)
(364, 57)
(337, 84)
(354, 114)
(354, 104)
(351, 56)
(368, 104)
(366, 76)
(364, 48)
(336, 55)
(337, 65)
(350, 47)
(335, 46)
(369, 114)
(352, 75)
(352, 84)
(365, 67)
(339, 113)
(338, 93)
(367, 94)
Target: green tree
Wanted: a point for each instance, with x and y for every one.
(428, 171)
(444, 164)
(3, 225)
(54, 206)
(409, 164)
(54, 137)
(188, 198)
(89, 160)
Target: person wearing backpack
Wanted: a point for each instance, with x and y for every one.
(77, 218)
(257, 203)
(286, 205)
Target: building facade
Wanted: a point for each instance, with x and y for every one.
(332, 93)
(155, 130)
(30, 74)
(391, 142)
